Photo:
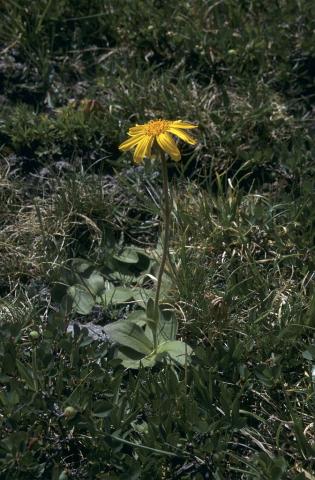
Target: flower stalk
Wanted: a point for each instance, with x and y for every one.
(166, 239)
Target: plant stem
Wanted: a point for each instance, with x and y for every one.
(167, 223)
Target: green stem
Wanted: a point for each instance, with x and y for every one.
(167, 224)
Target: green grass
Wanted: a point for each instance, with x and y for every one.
(77, 216)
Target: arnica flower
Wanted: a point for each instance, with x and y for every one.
(157, 133)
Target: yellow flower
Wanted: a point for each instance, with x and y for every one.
(143, 138)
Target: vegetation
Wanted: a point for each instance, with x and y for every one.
(80, 241)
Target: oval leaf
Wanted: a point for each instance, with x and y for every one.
(95, 283)
(117, 296)
(83, 301)
(129, 335)
(178, 351)
(128, 255)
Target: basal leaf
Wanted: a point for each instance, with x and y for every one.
(128, 255)
(129, 335)
(81, 265)
(144, 362)
(139, 317)
(167, 326)
(83, 301)
(178, 351)
(152, 312)
(95, 283)
(117, 296)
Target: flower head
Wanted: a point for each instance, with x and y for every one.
(144, 137)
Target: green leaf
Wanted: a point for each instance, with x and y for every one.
(152, 312)
(138, 317)
(83, 301)
(80, 265)
(166, 287)
(95, 283)
(129, 335)
(144, 362)
(167, 329)
(178, 351)
(117, 296)
(136, 363)
(27, 375)
(129, 353)
(309, 353)
(128, 255)
(9, 398)
(142, 295)
(167, 325)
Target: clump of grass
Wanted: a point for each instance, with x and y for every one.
(239, 262)
(67, 217)
(254, 139)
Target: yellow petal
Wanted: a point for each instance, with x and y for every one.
(136, 130)
(148, 150)
(181, 124)
(167, 143)
(142, 148)
(130, 142)
(183, 135)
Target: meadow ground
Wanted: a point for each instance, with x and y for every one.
(80, 240)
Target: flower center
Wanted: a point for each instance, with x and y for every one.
(155, 127)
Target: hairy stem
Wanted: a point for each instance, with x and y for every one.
(167, 223)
